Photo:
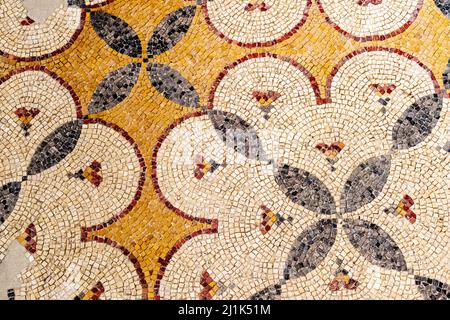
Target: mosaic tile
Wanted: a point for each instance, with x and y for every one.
(116, 33)
(375, 244)
(444, 6)
(171, 30)
(172, 85)
(365, 183)
(310, 249)
(417, 122)
(304, 188)
(114, 88)
(383, 18)
(433, 289)
(224, 149)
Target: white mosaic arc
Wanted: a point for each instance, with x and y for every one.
(177, 161)
(38, 38)
(120, 170)
(251, 22)
(30, 89)
(369, 18)
(351, 85)
(52, 190)
(77, 272)
(258, 265)
(63, 266)
(296, 126)
(47, 198)
(234, 92)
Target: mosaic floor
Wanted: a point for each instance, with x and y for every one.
(224, 149)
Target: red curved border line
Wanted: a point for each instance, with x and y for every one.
(131, 257)
(53, 53)
(164, 262)
(372, 49)
(155, 173)
(54, 76)
(372, 37)
(137, 196)
(294, 63)
(256, 44)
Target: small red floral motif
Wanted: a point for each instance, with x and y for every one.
(342, 279)
(268, 219)
(27, 21)
(202, 167)
(404, 209)
(210, 287)
(261, 5)
(382, 89)
(25, 116)
(91, 173)
(266, 98)
(332, 150)
(365, 3)
(27, 238)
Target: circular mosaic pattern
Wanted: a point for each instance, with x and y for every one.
(366, 20)
(256, 22)
(76, 174)
(26, 39)
(300, 192)
(316, 171)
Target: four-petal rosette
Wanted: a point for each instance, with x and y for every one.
(122, 38)
(312, 197)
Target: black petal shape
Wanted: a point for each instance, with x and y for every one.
(365, 183)
(116, 33)
(171, 30)
(237, 134)
(55, 147)
(305, 189)
(114, 88)
(76, 3)
(417, 122)
(269, 293)
(172, 85)
(310, 249)
(375, 244)
(9, 193)
(432, 289)
(444, 6)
